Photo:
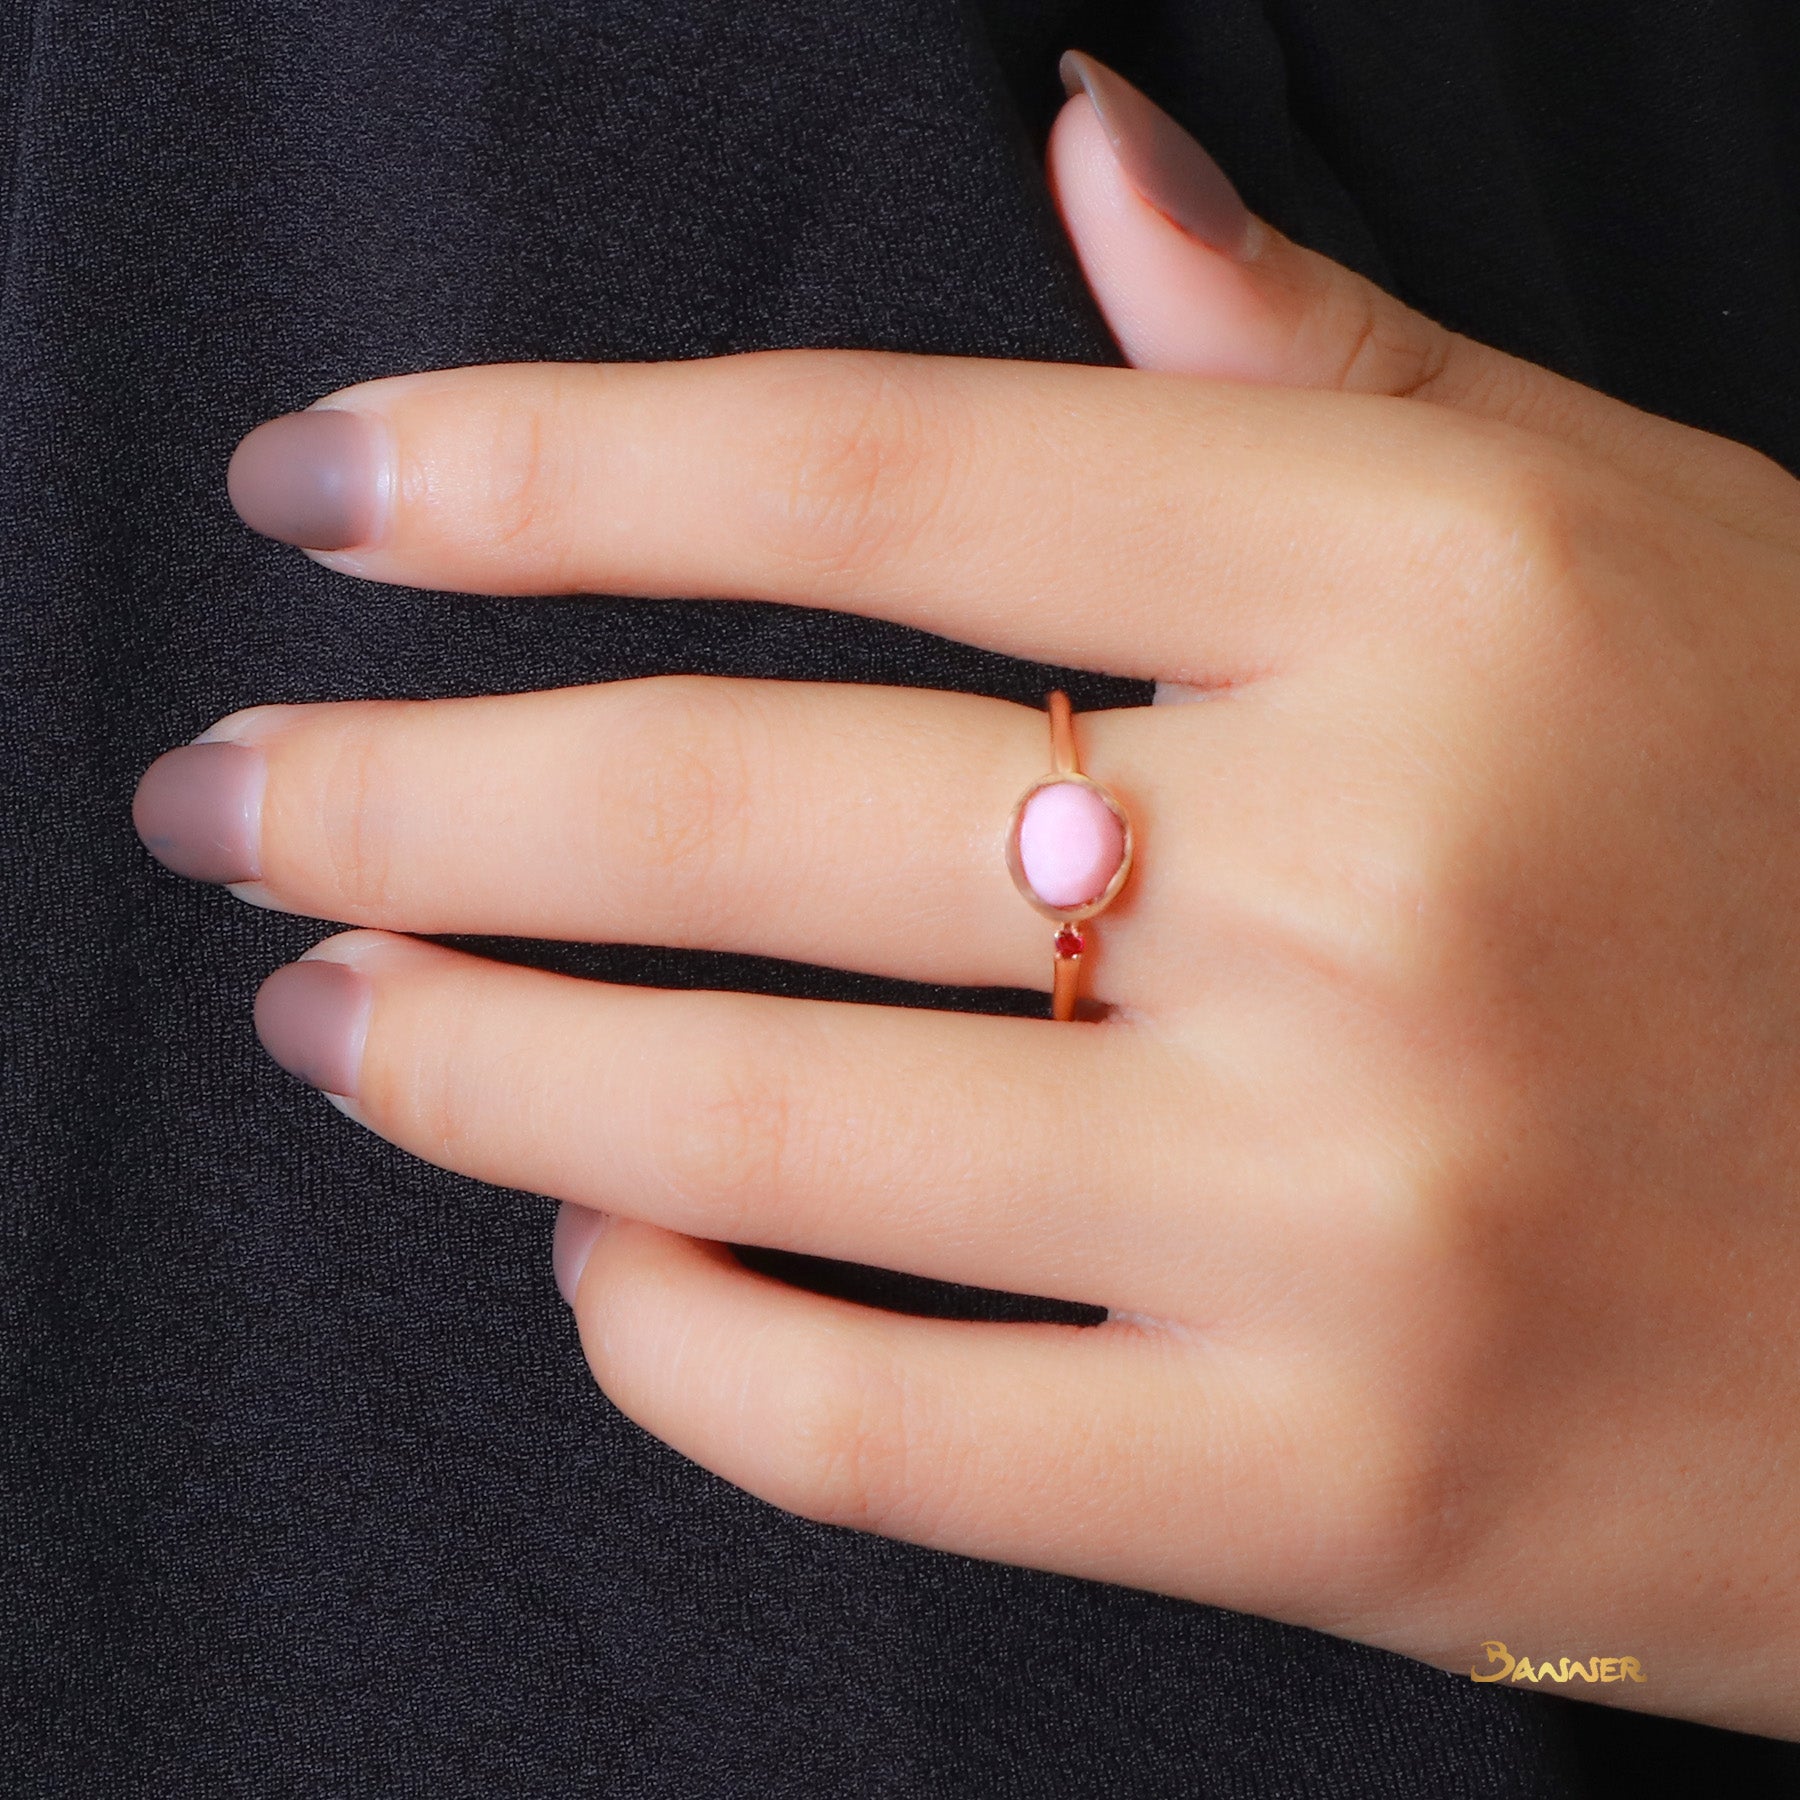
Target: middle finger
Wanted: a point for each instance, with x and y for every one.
(855, 827)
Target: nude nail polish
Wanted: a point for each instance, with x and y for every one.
(198, 810)
(316, 479)
(1161, 160)
(313, 1018)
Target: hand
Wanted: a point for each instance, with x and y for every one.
(1435, 1154)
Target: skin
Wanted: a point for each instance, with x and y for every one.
(1435, 1153)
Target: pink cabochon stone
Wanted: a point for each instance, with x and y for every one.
(1070, 844)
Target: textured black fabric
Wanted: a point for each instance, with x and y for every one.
(305, 1489)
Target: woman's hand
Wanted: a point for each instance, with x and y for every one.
(1436, 1154)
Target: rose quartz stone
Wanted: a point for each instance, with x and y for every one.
(1070, 844)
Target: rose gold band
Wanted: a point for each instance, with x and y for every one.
(1065, 981)
(1063, 760)
(1072, 909)
(1070, 941)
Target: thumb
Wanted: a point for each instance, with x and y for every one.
(1192, 283)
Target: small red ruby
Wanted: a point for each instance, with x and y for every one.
(1070, 942)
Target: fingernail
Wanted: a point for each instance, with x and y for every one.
(312, 1018)
(577, 1229)
(198, 810)
(317, 479)
(1160, 160)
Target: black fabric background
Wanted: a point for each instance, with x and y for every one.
(304, 1487)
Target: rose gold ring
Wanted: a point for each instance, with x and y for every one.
(1069, 848)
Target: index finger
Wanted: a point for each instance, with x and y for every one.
(1151, 526)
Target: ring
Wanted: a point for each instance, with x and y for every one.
(1069, 849)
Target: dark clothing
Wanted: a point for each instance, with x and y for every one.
(305, 1488)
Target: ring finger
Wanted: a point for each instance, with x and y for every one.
(988, 1151)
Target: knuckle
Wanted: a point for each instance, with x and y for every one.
(518, 449)
(717, 1142)
(1519, 533)
(1415, 1196)
(1399, 1457)
(679, 756)
(1372, 906)
(1397, 1507)
(1413, 886)
(1516, 544)
(353, 824)
(858, 466)
(1391, 893)
(837, 1425)
(437, 1085)
(1424, 922)
(1383, 346)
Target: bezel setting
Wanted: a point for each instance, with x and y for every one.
(1068, 915)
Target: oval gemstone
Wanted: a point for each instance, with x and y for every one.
(1070, 844)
